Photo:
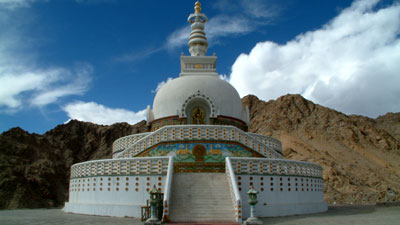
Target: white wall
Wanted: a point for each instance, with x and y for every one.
(275, 198)
(112, 195)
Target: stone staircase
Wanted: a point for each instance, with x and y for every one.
(201, 197)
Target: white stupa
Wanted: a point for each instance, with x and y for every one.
(198, 154)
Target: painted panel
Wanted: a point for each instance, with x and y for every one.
(183, 152)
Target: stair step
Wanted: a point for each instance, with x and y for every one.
(201, 197)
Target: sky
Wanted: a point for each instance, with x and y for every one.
(102, 61)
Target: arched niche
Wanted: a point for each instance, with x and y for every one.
(198, 108)
(198, 111)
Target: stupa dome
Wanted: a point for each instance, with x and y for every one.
(177, 96)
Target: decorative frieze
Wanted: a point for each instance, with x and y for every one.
(200, 66)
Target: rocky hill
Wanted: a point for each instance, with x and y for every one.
(34, 169)
(360, 156)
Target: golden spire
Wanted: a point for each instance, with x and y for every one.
(197, 7)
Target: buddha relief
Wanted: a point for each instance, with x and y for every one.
(198, 116)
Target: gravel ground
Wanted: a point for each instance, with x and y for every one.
(342, 215)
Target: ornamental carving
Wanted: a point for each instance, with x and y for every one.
(199, 151)
(205, 98)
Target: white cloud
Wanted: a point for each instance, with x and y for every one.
(24, 82)
(95, 1)
(135, 56)
(76, 85)
(162, 83)
(224, 25)
(100, 114)
(260, 8)
(12, 86)
(37, 87)
(13, 4)
(350, 64)
(254, 8)
(179, 37)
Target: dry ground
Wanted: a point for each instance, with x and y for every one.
(343, 215)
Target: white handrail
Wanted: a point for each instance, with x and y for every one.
(269, 141)
(234, 190)
(167, 192)
(139, 142)
(118, 145)
(167, 133)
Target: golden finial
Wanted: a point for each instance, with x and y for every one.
(197, 7)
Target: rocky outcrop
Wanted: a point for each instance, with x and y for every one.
(34, 169)
(391, 123)
(360, 156)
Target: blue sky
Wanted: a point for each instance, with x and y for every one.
(102, 60)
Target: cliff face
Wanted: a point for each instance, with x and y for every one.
(35, 169)
(391, 123)
(360, 156)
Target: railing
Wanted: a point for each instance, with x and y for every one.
(237, 201)
(167, 192)
(269, 141)
(126, 141)
(109, 167)
(198, 132)
(244, 165)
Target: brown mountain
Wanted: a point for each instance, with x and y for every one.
(34, 169)
(360, 156)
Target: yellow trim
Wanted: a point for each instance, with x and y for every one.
(197, 7)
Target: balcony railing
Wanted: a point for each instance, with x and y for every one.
(198, 132)
(109, 167)
(244, 165)
(124, 142)
(269, 141)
